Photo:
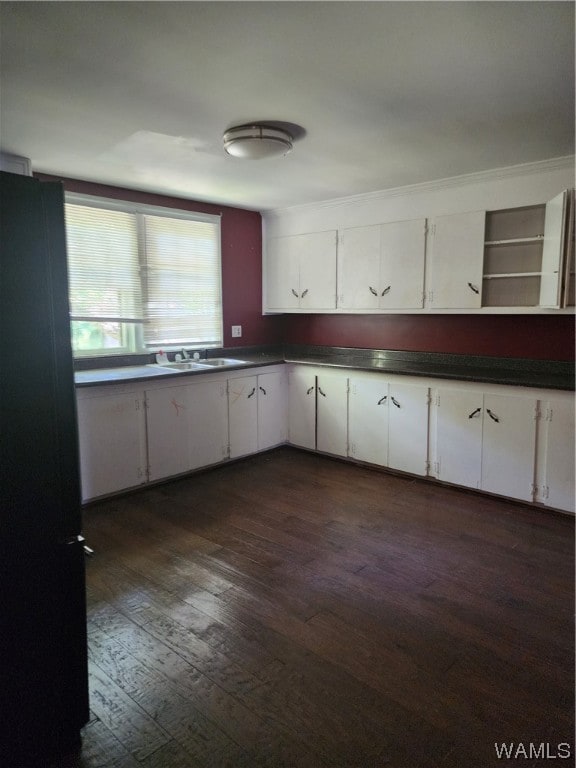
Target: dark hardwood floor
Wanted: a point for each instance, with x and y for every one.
(294, 610)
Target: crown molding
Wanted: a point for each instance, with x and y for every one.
(495, 174)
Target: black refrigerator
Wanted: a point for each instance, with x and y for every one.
(43, 656)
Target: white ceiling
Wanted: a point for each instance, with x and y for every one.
(138, 94)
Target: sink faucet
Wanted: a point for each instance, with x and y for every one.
(185, 354)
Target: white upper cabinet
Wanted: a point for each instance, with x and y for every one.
(456, 243)
(301, 272)
(382, 267)
(553, 249)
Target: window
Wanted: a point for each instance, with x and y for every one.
(141, 278)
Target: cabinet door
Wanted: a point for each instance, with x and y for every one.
(559, 470)
(282, 273)
(457, 260)
(359, 268)
(332, 413)
(459, 436)
(317, 262)
(553, 251)
(408, 428)
(243, 415)
(402, 248)
(271, 409)
(207, 423)
(168, 422)
(368, 419)
(112, 437)
(302, 406)
(508, 446)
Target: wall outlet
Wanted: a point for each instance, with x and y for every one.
(236, 331)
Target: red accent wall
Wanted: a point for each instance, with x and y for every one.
(241, 236)
(538, 337)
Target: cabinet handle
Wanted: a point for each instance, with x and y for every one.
(322, 393)
(262, 390)
(386, 290)
(251, 393)
(396, 403)
(309, 390)
(473, 288)
(373, 291)
(295, 294)
(492, 415)
(304, 293)
(471, 415)
(382, 399)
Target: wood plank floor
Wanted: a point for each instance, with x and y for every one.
(293, 610)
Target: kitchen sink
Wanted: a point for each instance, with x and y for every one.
(184, 365)
(222, 361)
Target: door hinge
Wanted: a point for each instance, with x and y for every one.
(430, 297)
(437, 399)
(428, 398)
(437, 468)
(533, 490)
(136, 405)
(544, 492)
(427, 467)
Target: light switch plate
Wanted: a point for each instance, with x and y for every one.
(236, 331)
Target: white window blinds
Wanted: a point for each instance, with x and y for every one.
(156, 270)
(183, 295)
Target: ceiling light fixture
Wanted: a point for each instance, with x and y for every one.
(256, 141)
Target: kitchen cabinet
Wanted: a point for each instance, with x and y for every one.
(525, 255)
(300, 272)
(112, 440)
(272, 409)
(332, 411)
(457, 250)
(187, 427)
(302, 406)
(256, 412)
(486, 440)
(555, 480)
(318, 409)
(388, 422)
(382, 267)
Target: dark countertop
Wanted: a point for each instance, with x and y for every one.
(544, 374)
(146, 372)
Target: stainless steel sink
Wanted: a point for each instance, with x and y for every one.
(184, 365)
(223, 361)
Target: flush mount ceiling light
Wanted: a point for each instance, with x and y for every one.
(256, 141)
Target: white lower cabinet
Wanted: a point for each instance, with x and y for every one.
(486, 440)
(555, 478)
(112, 441)
(332, 412)
(256, 412)
(187, 427)
(302, 406)
(388, 423)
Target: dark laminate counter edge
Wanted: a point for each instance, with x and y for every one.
(541, 374)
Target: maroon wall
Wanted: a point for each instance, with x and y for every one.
(539, 337)
(241, 259)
